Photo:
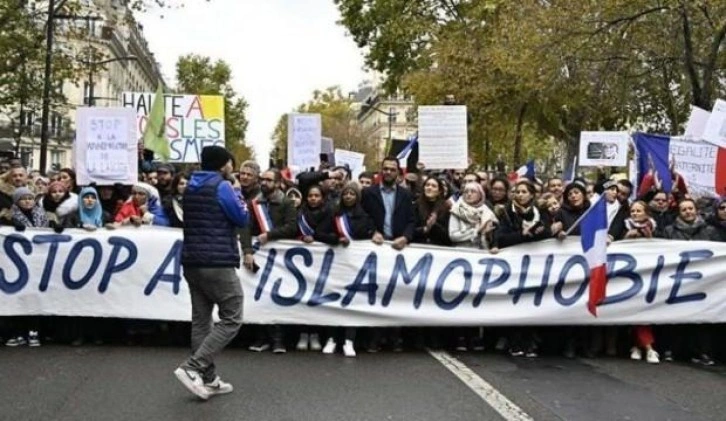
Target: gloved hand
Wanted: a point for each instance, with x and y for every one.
(19, 227)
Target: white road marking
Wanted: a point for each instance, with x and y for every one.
(506, 408)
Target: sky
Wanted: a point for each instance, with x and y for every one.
(280, 51)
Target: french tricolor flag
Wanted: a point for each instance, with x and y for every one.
(525, 171)
(594, 236)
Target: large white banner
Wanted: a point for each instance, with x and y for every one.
(136, 273)
(105, 150)
(192, 121)
(443, 141)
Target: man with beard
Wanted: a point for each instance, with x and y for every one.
(273, 217)
(391, 209)
(213, 209)
(164, 176)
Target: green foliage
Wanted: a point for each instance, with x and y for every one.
(533, 71)
(199, 75)
(339, 122)
(22, 46)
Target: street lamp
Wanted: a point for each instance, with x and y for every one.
(92, 69)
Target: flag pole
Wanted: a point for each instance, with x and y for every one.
(577, 222)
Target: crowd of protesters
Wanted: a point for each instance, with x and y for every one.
(454, 208)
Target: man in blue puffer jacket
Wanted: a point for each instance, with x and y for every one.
(213, 210)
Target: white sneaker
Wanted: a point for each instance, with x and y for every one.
(329, 346)
(315, 342)
(18, 341)
(652, 356)
(192, 380)
(636, 354)
(33, 339)
(218, 387)
(302, 343)
(348, 348)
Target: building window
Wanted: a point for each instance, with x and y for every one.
(26, 157)
(27, 118)
(57, 158)
(393, 115)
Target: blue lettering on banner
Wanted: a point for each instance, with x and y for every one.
(371, 287)
(627, 272)
(420, 269)
(653, 288)
(112, 266)
(439, 288)
(271, 254)
(301, 282)
(73, 258)
(23, 275)
(572, 262)
(174, 256)
(681, 274)
(53, 240)
(538, 291)
(486, 282)
(318, 298)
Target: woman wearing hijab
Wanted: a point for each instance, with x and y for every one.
(90, 212)
(471, 221)
(471, 225)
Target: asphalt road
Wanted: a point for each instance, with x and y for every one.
(136, 383)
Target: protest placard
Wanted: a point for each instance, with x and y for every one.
(701, 164)
(105, 150)
(715, 130)
(354, 161)
(696, 124)
(304, 132)
(442, 136)
(327, 148)
(603, 149)
(192, 121)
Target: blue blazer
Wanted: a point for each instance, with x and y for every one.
(402, 223)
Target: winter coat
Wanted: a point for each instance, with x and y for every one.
(284, 220)
(511, 224)
(361, 225)
(698, 230)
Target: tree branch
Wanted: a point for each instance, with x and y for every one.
(688, 56)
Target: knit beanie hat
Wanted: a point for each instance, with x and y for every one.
(21, 192)
(214, 158)
(165, 168)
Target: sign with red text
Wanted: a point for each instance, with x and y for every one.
(192, 121)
